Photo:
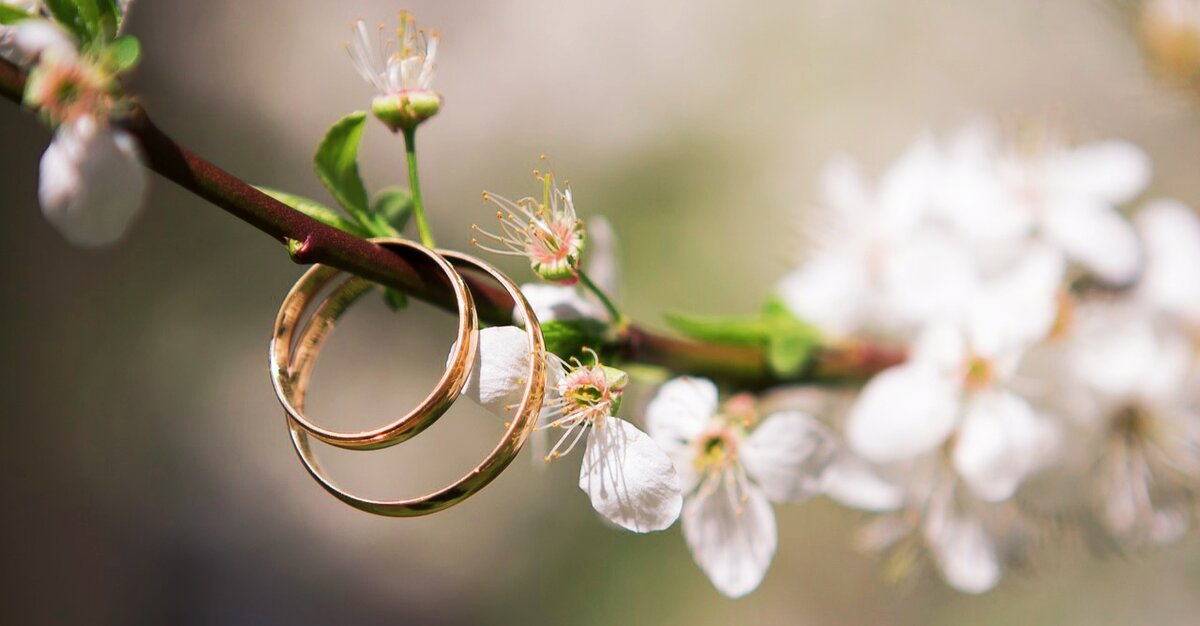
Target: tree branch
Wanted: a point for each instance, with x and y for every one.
(744, 367)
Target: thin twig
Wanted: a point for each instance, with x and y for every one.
(740, 366)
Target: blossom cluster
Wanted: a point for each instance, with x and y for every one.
(1050, 376)
(92, 183)
(1052, 346)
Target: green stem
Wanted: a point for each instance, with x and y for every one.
(586, 281)
(414, 182)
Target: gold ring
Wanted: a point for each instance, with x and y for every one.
(515, 436)
(284, 367)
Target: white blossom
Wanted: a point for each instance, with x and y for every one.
(1171, 232)
(394, 66)
(92, 182)
(1141, 418)
(572, 302)
(627, 476)
(957, 382)
(874, 250)
(731, 471)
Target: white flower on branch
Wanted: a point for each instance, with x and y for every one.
(956, 387)
(1142, 420)
(875, 250)
(549, 233)
(731, 470)
(570, 302)
(1043, 189)
(91, 182)
(1171, 232)
(627, 476)
(928, 516)
(28, 40)
(401, 70)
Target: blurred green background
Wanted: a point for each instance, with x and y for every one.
(146, 473)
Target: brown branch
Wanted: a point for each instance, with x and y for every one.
(740, 366)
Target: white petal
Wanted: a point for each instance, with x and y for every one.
(787, 455)
(1110, 171)
(557, 302)
(1001, 441)
(964, 552)
(929, 276)
(852, 482)
(830, 292)
(629, 479)
(903, 412)
(1096, 236)
(1171, 234)
(1019, 308)
(907, 189)
(603, 262)
(734, 546)
(843, 187)
(681, 408)
(497, 380)
(30, 39)
(1122, 356)
(91, 182)
(676, 416)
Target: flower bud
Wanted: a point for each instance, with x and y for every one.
(1170, 33)
(407, 109)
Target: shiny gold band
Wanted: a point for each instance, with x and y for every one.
(299, 368)
(284, 366)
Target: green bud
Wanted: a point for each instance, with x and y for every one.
(407, 109)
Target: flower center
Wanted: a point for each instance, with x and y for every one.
(718, 450)
(980, 373)
(1133, 423)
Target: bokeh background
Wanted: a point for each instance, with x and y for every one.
(145, 471)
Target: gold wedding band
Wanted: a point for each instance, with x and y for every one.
(299, 368)
(284, 367)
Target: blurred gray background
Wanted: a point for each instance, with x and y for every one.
(145, 469)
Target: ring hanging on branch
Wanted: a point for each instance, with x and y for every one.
(292, 359)
(284, 369)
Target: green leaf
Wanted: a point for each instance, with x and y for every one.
(123, 53)
(336, 163)
(394, 205)
(395, 300)
(66, 13)
(317, 211)
(91, 21)
(10, 15)
(735, 330)
(789, 342)
(568, 338)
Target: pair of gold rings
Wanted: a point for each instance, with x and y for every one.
(293, 355)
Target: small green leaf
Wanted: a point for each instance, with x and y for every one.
(737, 330)
(568, 338)
(10, 15)
(336, 163)
(123, 53)
(91, 21)
(789, 342)
(789, 354)
(395, 300)
(316, 210)
(394, 205)
(66, 13)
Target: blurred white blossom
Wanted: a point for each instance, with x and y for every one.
(92, 182)
(1046, 332)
